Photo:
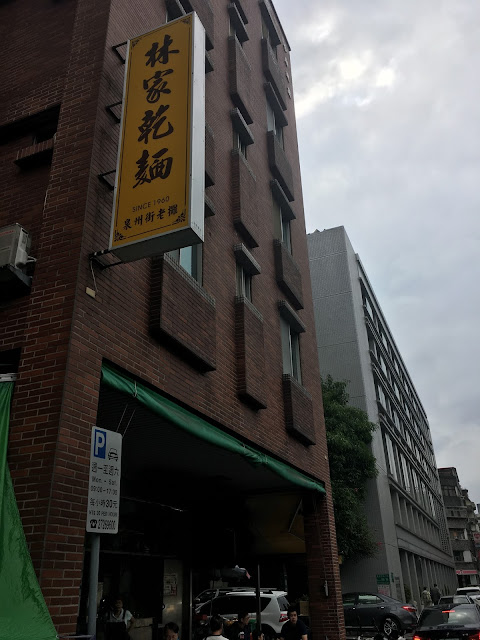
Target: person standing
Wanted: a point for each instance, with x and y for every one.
(426, 598)
(119, 622)
(293, 629)
(240, 629)
(435, 593)
(216, 628)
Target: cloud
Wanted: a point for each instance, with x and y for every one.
(387, 99)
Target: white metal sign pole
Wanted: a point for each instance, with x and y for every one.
(103, 503)
(93, 584)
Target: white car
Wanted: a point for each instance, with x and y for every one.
(468, 591)
(274, 606)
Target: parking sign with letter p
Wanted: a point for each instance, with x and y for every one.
(100, 443)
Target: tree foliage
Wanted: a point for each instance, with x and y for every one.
(352, 464)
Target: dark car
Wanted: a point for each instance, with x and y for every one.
(376, 611)
(456, 622)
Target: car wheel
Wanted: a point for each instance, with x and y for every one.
(268, 633)
(391, 624)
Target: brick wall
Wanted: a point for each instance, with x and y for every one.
(64, 333)
(289, 278)
(250, 354)
(326, 606)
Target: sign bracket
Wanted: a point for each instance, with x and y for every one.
(115, 49)
(96, 256)
(103, 178)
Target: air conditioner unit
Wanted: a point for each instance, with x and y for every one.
(14, 246)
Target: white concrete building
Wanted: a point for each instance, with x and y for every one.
(404, 504)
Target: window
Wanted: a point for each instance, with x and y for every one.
(380, 394)
(405, 474)
(290, 350)
(274, 125)
(266, 34)
(282, 226)
(368, 306)
(366, 598)
(396, 419)
(242, 136)
(416, 487)
(233, 32)
(239, 144)
(244, 283)
(392, 467)
(238, 19)
(190, 258)
(246, 268)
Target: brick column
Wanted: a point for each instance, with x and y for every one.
(56, 393)
(326, 612)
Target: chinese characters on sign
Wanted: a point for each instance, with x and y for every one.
(160, 171)
(104, 481)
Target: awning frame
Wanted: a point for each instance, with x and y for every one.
(200, 428)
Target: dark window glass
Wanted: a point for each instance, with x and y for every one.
(458, 616)
(366, 598)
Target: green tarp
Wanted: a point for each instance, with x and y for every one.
(202, 429)
(23, 612)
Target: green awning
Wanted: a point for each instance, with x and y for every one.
(200, 428)
(23, 612)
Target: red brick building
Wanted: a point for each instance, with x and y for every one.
(222, 335)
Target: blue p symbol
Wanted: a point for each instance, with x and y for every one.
(100, 440)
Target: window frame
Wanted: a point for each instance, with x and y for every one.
(244, 283)
(274, 125)
(239, 144)
(191, 264)
(291, 353)
(283, 229)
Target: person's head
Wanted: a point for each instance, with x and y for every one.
(170, 631)
(424, 588)
(435, 584)
(216, 625)
(118, 603)
(293, 613)
(243, 618)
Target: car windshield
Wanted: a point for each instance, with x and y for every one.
(456, 616)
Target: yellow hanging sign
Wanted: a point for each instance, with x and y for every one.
(159, 191)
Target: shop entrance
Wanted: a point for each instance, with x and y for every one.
(192, 515)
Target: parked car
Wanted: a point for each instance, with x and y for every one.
(455, 622)
(444, 600)
(209, 594)
(472, 589)
(376, 611)
(274, 606)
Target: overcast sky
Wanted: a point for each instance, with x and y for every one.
(387, 96)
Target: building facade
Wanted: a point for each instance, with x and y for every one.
(202, 358)
(404, 506)
(463, 527)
